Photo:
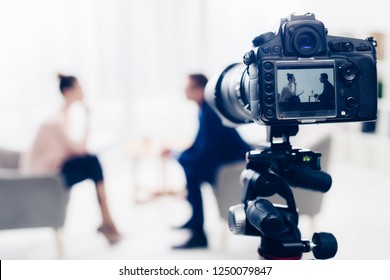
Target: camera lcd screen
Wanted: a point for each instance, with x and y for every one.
(305, 90)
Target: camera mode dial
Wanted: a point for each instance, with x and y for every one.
(249, 58)
(263, 38)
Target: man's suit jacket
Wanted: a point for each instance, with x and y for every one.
(214, 145)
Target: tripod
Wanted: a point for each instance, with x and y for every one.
(274, 170)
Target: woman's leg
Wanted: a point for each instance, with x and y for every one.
(108, 227)
(80, 168)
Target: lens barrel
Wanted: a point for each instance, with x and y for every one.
(228, 93)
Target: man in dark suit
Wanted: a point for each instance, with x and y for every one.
(327, 96)
(214, 145)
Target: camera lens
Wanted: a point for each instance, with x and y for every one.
(229, 93)
(306, 41)
(348, 72)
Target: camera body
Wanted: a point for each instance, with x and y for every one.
(298, 75)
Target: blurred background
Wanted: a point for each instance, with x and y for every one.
(132, 58)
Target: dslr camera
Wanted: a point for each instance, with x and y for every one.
(299, 74)
(296, 75)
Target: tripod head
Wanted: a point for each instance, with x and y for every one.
(274, 170)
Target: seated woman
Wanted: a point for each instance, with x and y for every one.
(53, 150)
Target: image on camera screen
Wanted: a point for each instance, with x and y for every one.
(305, 90)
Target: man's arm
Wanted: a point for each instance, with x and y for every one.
(206, 142)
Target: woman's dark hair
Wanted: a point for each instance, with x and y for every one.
(199, 79)
(66, 82)
(290, 76)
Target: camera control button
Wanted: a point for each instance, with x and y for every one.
(335, 46)
(291, 30)
(277, 49)
(269, 100)
(249, 58)
(268, 77)
(363, 48)
(268, 65)
(349, 72)
(269, 112)
(269, 88)
(341, 46)
(266, 50)
(347, 46)
(351, 102)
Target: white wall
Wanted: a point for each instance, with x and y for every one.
(132, 56)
